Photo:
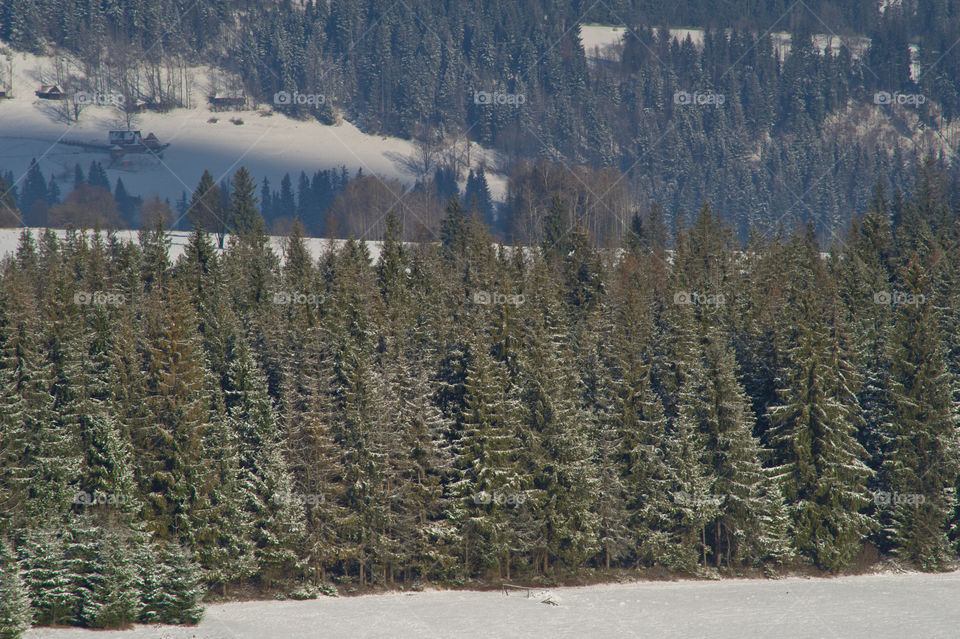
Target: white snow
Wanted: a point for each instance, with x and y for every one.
(269, 146)
(601, 39)
(875, 607)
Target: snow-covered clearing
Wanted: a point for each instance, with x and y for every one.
(874, 606)
(599, 40)
(268, 144)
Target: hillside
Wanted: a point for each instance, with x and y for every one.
(269, 144)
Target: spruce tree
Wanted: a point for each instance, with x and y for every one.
(919, 471)
(560, 459)
(818, 461)
(264, 483)
(15, 613)
(489, 484)
(245, 219)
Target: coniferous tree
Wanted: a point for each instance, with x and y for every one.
(818, 461)
(489, 485)
(920, 469)
(206, 208)
(245, 218)
(264, 483)
(15, 613)
(563, 477)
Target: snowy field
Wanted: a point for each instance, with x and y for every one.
(875, 606)
(268, 145)
(599, 38)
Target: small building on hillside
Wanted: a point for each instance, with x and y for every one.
(51, 92)
(224, 100)
(125, 138)
(124, 142)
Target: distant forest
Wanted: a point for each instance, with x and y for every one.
(784, 145)
(462, 413)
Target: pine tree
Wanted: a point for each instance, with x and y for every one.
(183, 588)
(313, 455)
(51, 585)
(733, 454)
(15, 613)
(206, 208)
(489, 484)
(114, 594)
(563, 477)
(919, 470)
(818, 461)
(245, 219)
(679, 538)
(265, 484)
(37, 483)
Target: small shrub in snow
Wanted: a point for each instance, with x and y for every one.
(305, 592)
(328, 590)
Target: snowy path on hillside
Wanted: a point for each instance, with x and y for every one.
(875, 606)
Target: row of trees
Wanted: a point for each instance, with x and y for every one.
(328, 203)
(459, 411)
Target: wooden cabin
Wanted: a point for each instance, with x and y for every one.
(236, 100)
(51, 92)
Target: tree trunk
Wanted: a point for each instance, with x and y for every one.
(703, 540)
(716, 539)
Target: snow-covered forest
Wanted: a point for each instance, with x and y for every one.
(456, 413)
(446, 301)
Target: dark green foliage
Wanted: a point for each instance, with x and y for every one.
(15, 613)
(457, 411)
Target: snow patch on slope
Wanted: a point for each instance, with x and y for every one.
(268, 144)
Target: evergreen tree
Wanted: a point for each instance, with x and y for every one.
(919, 471)
(489, 484)
(206, 208)
(245, 219)
(15, 613)
(818, 461)
(277, 520)
(563, 477)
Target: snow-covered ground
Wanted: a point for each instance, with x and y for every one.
(874, 607)
(599, 41)
(268, 145)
